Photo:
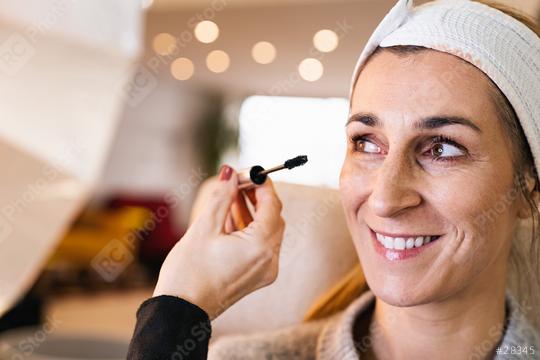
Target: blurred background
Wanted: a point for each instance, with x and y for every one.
(112, 114)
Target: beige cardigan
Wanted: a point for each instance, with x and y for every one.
(332, 339)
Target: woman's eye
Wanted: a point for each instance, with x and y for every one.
(442, 150)
(366, 146)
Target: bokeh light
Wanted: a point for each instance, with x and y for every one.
(218, 61)
(206, 31)
(326, 40)
(182, 69)
(311, 69)
(263, 52)
(164, 44)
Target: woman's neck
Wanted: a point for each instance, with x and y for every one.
(467, 323)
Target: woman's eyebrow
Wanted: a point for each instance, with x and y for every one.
(367, 119)
(440, 121)
(431, 122)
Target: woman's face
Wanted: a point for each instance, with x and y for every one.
(427, 156)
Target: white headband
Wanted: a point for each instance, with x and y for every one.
(505, 49)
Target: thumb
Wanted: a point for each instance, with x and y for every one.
(268, 206)
(220, 200)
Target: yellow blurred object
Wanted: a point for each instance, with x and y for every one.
(339, 296)
(94, 230)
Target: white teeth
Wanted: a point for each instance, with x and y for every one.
(399, 243)
(403, 243)
(388, 242)
(409, 244)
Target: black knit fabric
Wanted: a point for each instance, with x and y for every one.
(172, 328)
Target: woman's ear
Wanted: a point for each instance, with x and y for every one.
(532, 189)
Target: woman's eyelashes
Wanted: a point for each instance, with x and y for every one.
(436, 148)
(443, 148)
(364, 145)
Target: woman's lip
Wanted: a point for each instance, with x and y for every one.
(406, 236)
(397, 255)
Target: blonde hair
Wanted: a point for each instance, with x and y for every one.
(524, 276)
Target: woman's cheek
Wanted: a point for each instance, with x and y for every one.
(467, 198)
(479, 227)
(354, 184)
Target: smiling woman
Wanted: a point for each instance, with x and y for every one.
(435, 186)
(458, 86)
(406, 178)
(438, 181)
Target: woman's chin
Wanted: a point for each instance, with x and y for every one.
(403, 295)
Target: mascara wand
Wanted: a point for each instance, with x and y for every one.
(256, 175)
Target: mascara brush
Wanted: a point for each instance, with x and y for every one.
(257, 175)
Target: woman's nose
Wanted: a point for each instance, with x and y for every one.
(393, 190)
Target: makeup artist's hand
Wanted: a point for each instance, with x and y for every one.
(218, 261)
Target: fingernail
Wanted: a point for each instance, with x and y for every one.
(225, 173)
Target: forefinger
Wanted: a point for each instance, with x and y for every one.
(251, 195)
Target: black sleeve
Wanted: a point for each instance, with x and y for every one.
(172, 328)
